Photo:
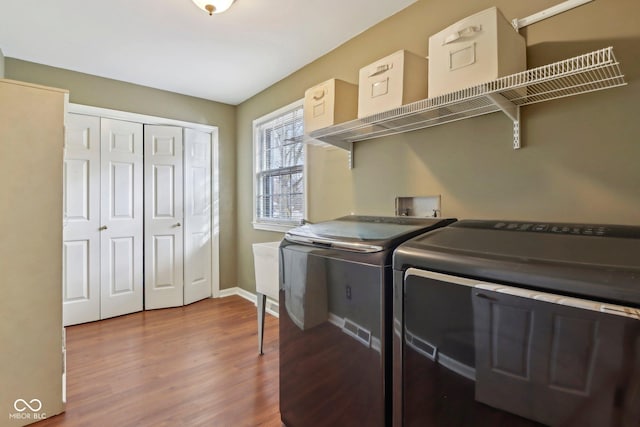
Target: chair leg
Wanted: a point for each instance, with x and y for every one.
(262, 300)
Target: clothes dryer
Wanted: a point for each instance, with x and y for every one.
(505, 323)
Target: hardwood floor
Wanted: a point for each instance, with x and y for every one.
(188, 366)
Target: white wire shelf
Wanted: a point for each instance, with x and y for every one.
(586, 73)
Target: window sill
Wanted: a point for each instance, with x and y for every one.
(281, 228)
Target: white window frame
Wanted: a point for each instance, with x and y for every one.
(274, 225)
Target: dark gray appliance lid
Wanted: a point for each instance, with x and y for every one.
(363, 233)
(596, 261)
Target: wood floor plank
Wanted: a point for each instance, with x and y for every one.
(188, 366)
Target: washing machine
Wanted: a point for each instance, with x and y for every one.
(505, 323)
(335, 314)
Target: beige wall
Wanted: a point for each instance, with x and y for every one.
(580, 157)
(105, 93)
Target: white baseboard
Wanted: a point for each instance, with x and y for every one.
(272, 306)
(237, 291)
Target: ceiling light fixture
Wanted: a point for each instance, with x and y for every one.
(214, 6)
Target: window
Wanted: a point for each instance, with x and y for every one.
(279, 157)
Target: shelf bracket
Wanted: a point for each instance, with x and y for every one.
(512, 111)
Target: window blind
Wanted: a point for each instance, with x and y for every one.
(280, 169)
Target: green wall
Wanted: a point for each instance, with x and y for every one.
(579, 160)
(105, 93)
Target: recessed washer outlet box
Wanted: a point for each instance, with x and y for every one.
(422, 206)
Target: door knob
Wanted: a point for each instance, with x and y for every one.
(104, 227)
(177, 224)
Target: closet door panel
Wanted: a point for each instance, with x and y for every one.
(163, 216)
(198, 210)
(121, 228)
(81, 220)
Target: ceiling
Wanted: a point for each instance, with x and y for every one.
(175, 46)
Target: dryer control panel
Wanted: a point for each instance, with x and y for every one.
(621, 231)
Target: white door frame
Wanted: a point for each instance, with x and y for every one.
(215, 187)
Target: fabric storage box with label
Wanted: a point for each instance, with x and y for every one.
(475, 50)
(398, 79)
(329, 103)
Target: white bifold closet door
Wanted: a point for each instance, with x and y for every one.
(177, 216)
(121, 226)
(135, 224)
(163, 226)
(81, 216)
(197, 211)
(103, 218)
